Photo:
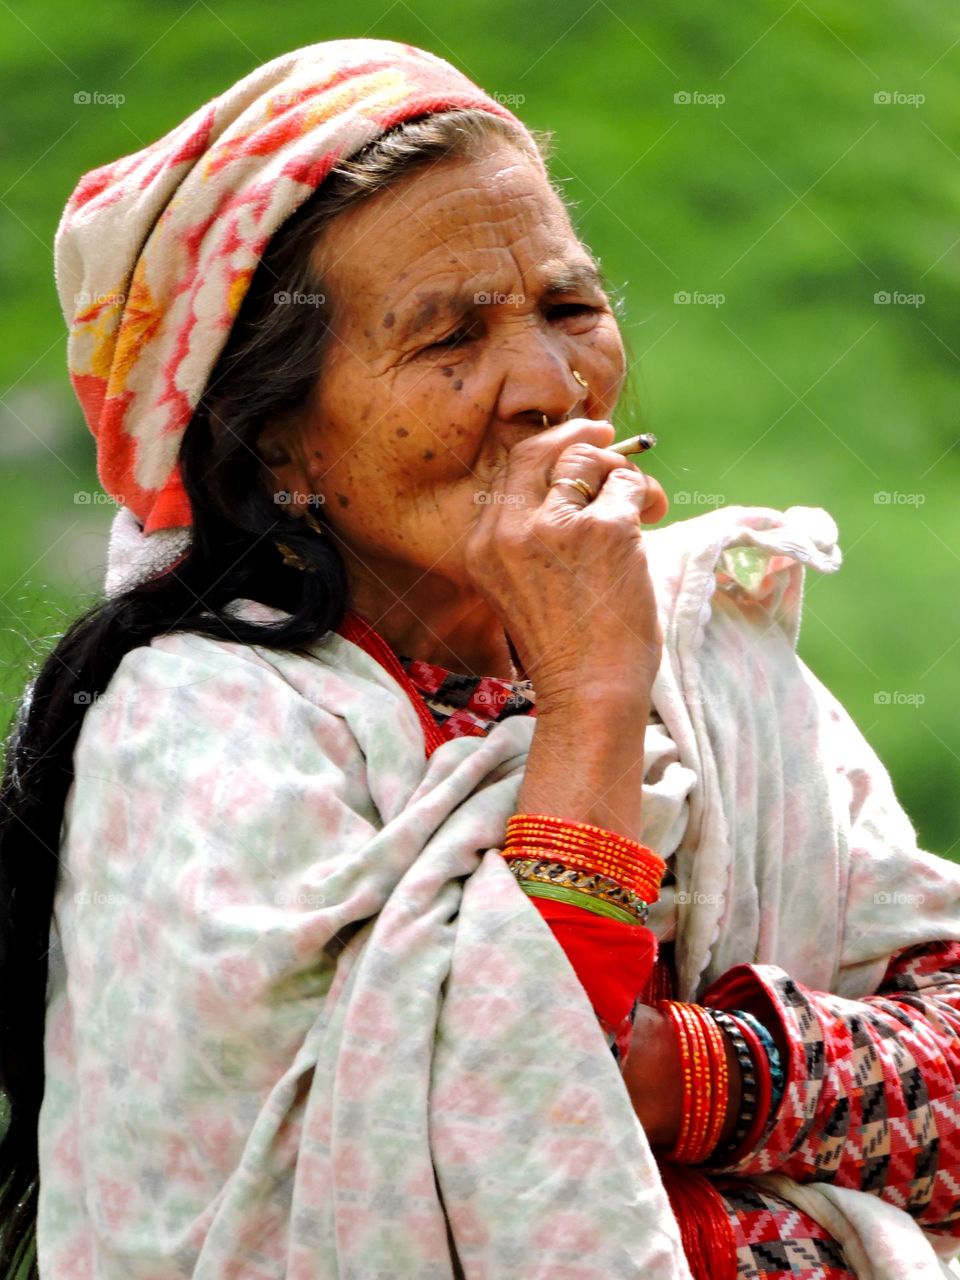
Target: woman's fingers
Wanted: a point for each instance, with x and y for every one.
(589, 476)
(562, 564)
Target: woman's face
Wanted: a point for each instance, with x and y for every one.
(462, 301)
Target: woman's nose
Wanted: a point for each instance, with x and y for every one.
(540, 381)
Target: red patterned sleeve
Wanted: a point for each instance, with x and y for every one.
(872, 1099)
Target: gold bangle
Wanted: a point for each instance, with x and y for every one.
(601, 887)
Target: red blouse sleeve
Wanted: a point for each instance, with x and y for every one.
(872, 1088)
(612, 959)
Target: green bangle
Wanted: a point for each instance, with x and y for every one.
(594, 884)
(535, 889)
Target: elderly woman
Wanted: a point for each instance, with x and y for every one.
(442, 875)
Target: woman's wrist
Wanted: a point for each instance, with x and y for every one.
(652, 1073)
(686, 1082)
(588, 767)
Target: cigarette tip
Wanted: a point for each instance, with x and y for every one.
(636, 444)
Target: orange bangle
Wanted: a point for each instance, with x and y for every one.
(720, 1083)
(706, 1081)
(700, 1100)
(590, 848)
(669, 1007)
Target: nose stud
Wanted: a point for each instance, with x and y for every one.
(583, 382)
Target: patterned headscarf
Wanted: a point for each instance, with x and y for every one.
(155, 252)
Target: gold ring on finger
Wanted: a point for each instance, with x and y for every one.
(577, 483)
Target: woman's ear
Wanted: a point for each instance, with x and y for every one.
(272, 446)
(283, 469)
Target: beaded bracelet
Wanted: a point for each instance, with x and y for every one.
(709, 1102)
(705, 1073)
(686, 1069)
(589, 848)
(764, 1090)
(539, 871)
(748, 1086)
(720, 1083)
(777, 1079)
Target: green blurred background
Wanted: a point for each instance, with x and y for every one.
(778, 164)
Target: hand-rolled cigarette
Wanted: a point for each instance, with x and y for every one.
(636, 444)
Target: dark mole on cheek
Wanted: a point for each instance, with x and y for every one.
(427, 455)
(318, 453)
(447, 371)
(402, 431)
(388, 320)
(457, 384)
(367, 333)
(343, 500)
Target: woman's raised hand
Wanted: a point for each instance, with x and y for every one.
(568, 576)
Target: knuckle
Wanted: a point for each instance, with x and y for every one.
(529, 447)
(580, 450)
(509, 540)
(624, 469)
(613, 523)
(618, 462)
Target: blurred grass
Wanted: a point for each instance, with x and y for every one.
(798, 198)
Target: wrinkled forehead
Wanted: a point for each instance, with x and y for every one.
(458, 225)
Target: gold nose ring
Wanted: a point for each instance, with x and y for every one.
(579, 377)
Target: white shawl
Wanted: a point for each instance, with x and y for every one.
(305, 1023)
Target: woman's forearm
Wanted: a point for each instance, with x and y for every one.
(586, 764)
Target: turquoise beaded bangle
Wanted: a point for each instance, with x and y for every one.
(777, 1079)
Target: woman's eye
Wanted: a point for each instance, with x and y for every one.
(563, 309)
(451, 340)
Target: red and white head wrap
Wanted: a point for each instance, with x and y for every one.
(154, 252)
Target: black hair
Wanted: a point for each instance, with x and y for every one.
(268, 367)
